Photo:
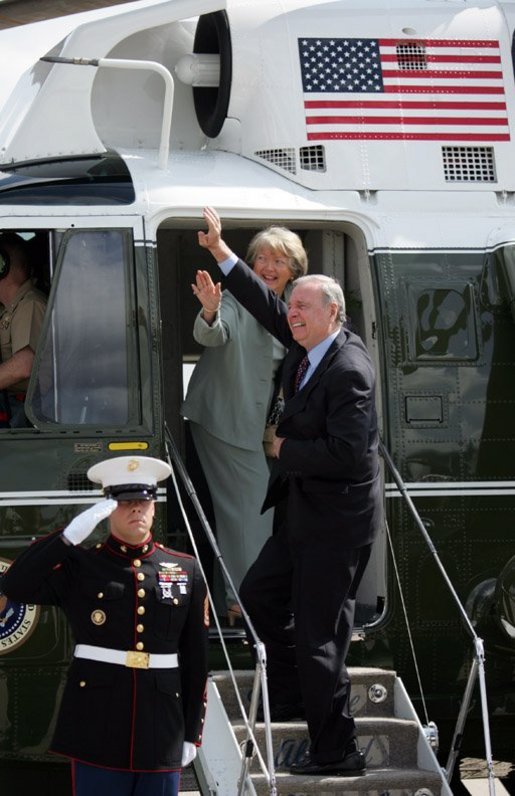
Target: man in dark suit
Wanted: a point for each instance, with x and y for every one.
(133, 707)
(300, 593)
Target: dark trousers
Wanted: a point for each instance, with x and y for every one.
(97, 781)
(301, 601)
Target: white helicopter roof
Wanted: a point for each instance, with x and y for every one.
(272, 149)
(22, 45)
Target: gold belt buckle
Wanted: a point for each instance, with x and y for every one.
(137, 660)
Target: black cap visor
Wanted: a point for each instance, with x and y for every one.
(122, 492)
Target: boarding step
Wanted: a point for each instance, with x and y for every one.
(405, 782)
(400, 761)
(372, 691)
(385, 742)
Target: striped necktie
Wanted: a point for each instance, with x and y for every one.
(301, 372)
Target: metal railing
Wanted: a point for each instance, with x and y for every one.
(478, 664)
(260, 686)
(260, 689)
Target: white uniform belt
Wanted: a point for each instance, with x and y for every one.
(132, 658)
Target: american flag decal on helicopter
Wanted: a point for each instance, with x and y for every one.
(422, 90)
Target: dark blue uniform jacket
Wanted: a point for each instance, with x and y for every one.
(123, 598)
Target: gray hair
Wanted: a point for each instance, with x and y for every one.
(329, 287)
(283, 240)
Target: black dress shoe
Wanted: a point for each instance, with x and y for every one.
(352, 763)
(290, 711)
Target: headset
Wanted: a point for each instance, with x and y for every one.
(5, 263)
(10, 245)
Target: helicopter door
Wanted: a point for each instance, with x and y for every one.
(86, 367)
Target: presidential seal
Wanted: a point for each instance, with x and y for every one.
(17, 620)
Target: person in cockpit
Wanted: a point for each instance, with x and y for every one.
(21, 318)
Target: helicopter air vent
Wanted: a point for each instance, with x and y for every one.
(469, 164)
(312, 158)
(282, 158)
(411, 55)
(79, 482)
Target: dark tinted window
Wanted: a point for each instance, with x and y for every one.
(100, 180)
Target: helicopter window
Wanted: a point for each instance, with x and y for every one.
(82, 370)
(498, 279)
(442, 323)
(102, 179)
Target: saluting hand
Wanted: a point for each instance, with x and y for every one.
(86, 522)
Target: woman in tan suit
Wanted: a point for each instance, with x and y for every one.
(228, 401)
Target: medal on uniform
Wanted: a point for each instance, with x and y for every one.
(169, 575)
(165, 584)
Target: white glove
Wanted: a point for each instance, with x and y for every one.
(81, 527)
(189, 753)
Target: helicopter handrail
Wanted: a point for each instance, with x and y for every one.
(478, 664)
(131, 63)
(260, 687)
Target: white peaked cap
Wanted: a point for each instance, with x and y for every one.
(130, 477)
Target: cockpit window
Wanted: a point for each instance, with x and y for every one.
(95, 180)
(498, 286)
(82, 370)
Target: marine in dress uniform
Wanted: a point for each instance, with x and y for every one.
(133, 707)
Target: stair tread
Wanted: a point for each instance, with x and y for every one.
(362, 703)
(389, 742)
(373, 778)
(372, 774)
(361, 721)
(364, 671)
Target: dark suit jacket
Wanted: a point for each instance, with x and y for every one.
(328, 467)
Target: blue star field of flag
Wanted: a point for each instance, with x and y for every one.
(340, 65)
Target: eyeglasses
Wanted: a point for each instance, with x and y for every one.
(279, 262)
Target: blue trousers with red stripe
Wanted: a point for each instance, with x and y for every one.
(88, 780)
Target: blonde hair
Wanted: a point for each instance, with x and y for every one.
(283, 240)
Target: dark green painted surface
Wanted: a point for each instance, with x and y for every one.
(448, 380)
(446, 339)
